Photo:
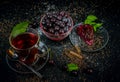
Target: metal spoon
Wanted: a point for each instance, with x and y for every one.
(14, 57)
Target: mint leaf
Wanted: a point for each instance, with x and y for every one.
(91, 21)
(97, 25)
(87, 21)
(19, 28)
(91, 17)
(72, 67)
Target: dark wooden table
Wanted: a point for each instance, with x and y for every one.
(107, 59)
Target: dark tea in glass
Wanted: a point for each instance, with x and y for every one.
(25, 45)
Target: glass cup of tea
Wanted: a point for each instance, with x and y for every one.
(25, 45)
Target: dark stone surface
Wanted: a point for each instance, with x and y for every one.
(107, 70)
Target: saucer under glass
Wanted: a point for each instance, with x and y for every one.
(38, 64)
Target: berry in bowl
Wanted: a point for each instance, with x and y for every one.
(86, 32)
(56, 25)
(89, 35)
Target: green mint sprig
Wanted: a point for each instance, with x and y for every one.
(72, 67)
(19, 28)
(91, 20)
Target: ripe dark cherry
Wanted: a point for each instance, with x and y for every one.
(74, 73)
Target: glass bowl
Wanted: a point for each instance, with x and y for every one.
(58, 36)
(101, 38)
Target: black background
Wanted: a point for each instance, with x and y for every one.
(112, 15)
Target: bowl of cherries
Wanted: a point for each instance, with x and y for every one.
(56, 25)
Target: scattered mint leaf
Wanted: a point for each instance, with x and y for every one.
(72, 67)
(19, 28)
